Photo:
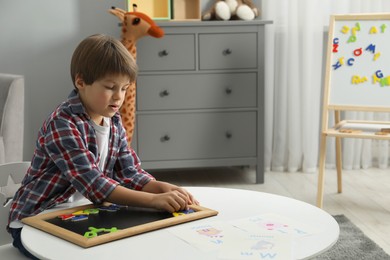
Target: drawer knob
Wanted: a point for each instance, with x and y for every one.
(164, 93)
(227, 52)
(228, 135)
(165, 138)
(228, 91)
(163, 53)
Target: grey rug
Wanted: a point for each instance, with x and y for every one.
(353, 244)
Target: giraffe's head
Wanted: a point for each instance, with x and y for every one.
(136, 25)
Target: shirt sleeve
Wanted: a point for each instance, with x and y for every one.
(128, 166)
(67, 146)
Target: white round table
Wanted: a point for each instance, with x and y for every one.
(232, 204)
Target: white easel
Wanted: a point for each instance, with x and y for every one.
(357, 79)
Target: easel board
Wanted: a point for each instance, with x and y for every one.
(112, 225)
(358, 71)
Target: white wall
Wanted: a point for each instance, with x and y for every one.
(37, 39)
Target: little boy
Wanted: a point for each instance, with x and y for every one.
(82, 149)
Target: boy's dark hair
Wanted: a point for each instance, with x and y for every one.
(100, 55)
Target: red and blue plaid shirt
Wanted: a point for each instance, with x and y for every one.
(66, 159)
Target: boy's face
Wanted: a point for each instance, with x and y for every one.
(104, 97)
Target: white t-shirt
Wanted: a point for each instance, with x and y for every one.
(102, 137)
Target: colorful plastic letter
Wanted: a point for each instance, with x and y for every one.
(371, 48)
(373, 30)
(345, 29)
(335, 47)
(111, 208)
(383, 28)
(80, 218)
(379, 74)
(352, 38)
(376, 56)
(336, 41)
(385, 81)
(184, 212)
(350, 61)
(66, 216)
(358, 52)
(358, 26)
(91, 211)
(357, 79)
(353, 31)
(336, 66)
(80, 212)
(341, 60)
(375, 77)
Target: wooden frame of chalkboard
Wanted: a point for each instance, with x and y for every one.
(131, 222)
(357, 78)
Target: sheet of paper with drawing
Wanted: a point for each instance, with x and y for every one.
(267, 236)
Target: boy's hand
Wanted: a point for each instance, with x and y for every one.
(164, 187)
(170, 201)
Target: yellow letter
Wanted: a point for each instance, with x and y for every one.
(345, 29)
(373, 30)
(376, 55)
(355, 79)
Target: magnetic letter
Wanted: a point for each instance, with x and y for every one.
(336, 66)
(352, 38)
(336, 41)
(355, 79)
(376, 56)
(345, 29)
(383, 28)
(350, 61)
(358, 26)
(373, 30)
(341, 60)
(385, 81)
(335, 47)
(375, 77)
(358, 52)
(371, 48)
(354, 29)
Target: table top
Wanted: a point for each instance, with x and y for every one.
(232, 204)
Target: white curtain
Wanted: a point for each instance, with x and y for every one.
(295, 59)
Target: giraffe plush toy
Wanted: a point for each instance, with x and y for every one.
(134, 26)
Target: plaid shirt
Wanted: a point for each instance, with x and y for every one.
(66, 159)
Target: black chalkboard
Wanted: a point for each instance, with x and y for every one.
(123, 218)
(106, 226)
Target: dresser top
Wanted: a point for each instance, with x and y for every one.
(212, 23)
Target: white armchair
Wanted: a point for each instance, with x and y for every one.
(11, 118)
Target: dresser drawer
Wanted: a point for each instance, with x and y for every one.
(172, 52)
(196, 135)
(196, 91)
(228, 51)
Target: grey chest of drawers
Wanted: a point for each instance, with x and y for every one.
(200, 94)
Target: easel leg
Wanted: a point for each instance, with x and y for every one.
(321, 168)
(338, 165)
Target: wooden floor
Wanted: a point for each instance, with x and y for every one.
(365, 199)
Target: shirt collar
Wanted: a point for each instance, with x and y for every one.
(77, 106)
